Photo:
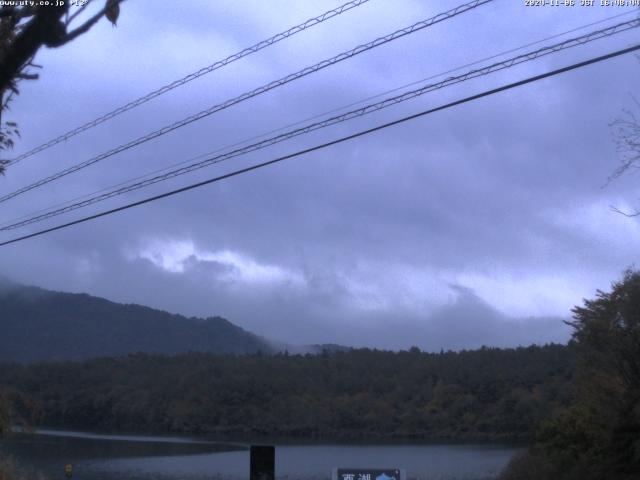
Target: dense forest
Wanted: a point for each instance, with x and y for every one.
(487, 394)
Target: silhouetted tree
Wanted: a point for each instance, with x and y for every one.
(598, 435)
(24, 29)
(607, 334)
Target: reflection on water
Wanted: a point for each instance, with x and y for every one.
(125, 438)
(50, 450)
(113, 457)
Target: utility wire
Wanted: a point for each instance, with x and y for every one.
(247, 95)
(192, 76)
(333, 142)
(313, 117)
(526, 57)
(476, 62)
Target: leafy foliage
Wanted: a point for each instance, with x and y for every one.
(487, 394)
(598, 435)
(527, 466)
(8, 131)
(16, 410)
(25, 27)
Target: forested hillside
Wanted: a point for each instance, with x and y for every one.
(487, 394)
(40, 325)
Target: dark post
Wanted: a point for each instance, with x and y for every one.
(263, 462)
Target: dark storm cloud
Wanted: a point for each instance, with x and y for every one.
(452, 231)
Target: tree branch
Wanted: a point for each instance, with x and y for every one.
(43, 28)
(78, 12)
(28, 76)
(626, 214)
(86, 26)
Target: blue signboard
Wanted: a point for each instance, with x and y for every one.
(368, 474)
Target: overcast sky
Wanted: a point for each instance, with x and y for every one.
(482, 224)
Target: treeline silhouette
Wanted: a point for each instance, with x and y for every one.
(597, 436)
(482, 395)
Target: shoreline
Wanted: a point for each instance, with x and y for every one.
(244, 441)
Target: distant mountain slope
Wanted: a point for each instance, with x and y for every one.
(37, 325)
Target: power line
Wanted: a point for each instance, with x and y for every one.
(333, 142)
(313, 117)
(247, 95)
(476, 62)
(337, 119)
(192, 76)
(319, 115)
(508, 63)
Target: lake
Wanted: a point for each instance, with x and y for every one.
(123, 457)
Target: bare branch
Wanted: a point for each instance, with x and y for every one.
(28, 76)
(78, 12)
(626, 135)
(86, 26)
(626, 214)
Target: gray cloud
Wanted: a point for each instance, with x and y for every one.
(359, 243)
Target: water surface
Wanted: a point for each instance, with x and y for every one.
(123, 457)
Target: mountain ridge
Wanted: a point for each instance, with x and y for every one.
(38, 325)
(42, 325)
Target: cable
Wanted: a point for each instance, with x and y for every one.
(331, 121)
(245, 96)
(319, 115)
(508, 63)
(476, 62)
(313, 117)
(332, 142)
(192, 76)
